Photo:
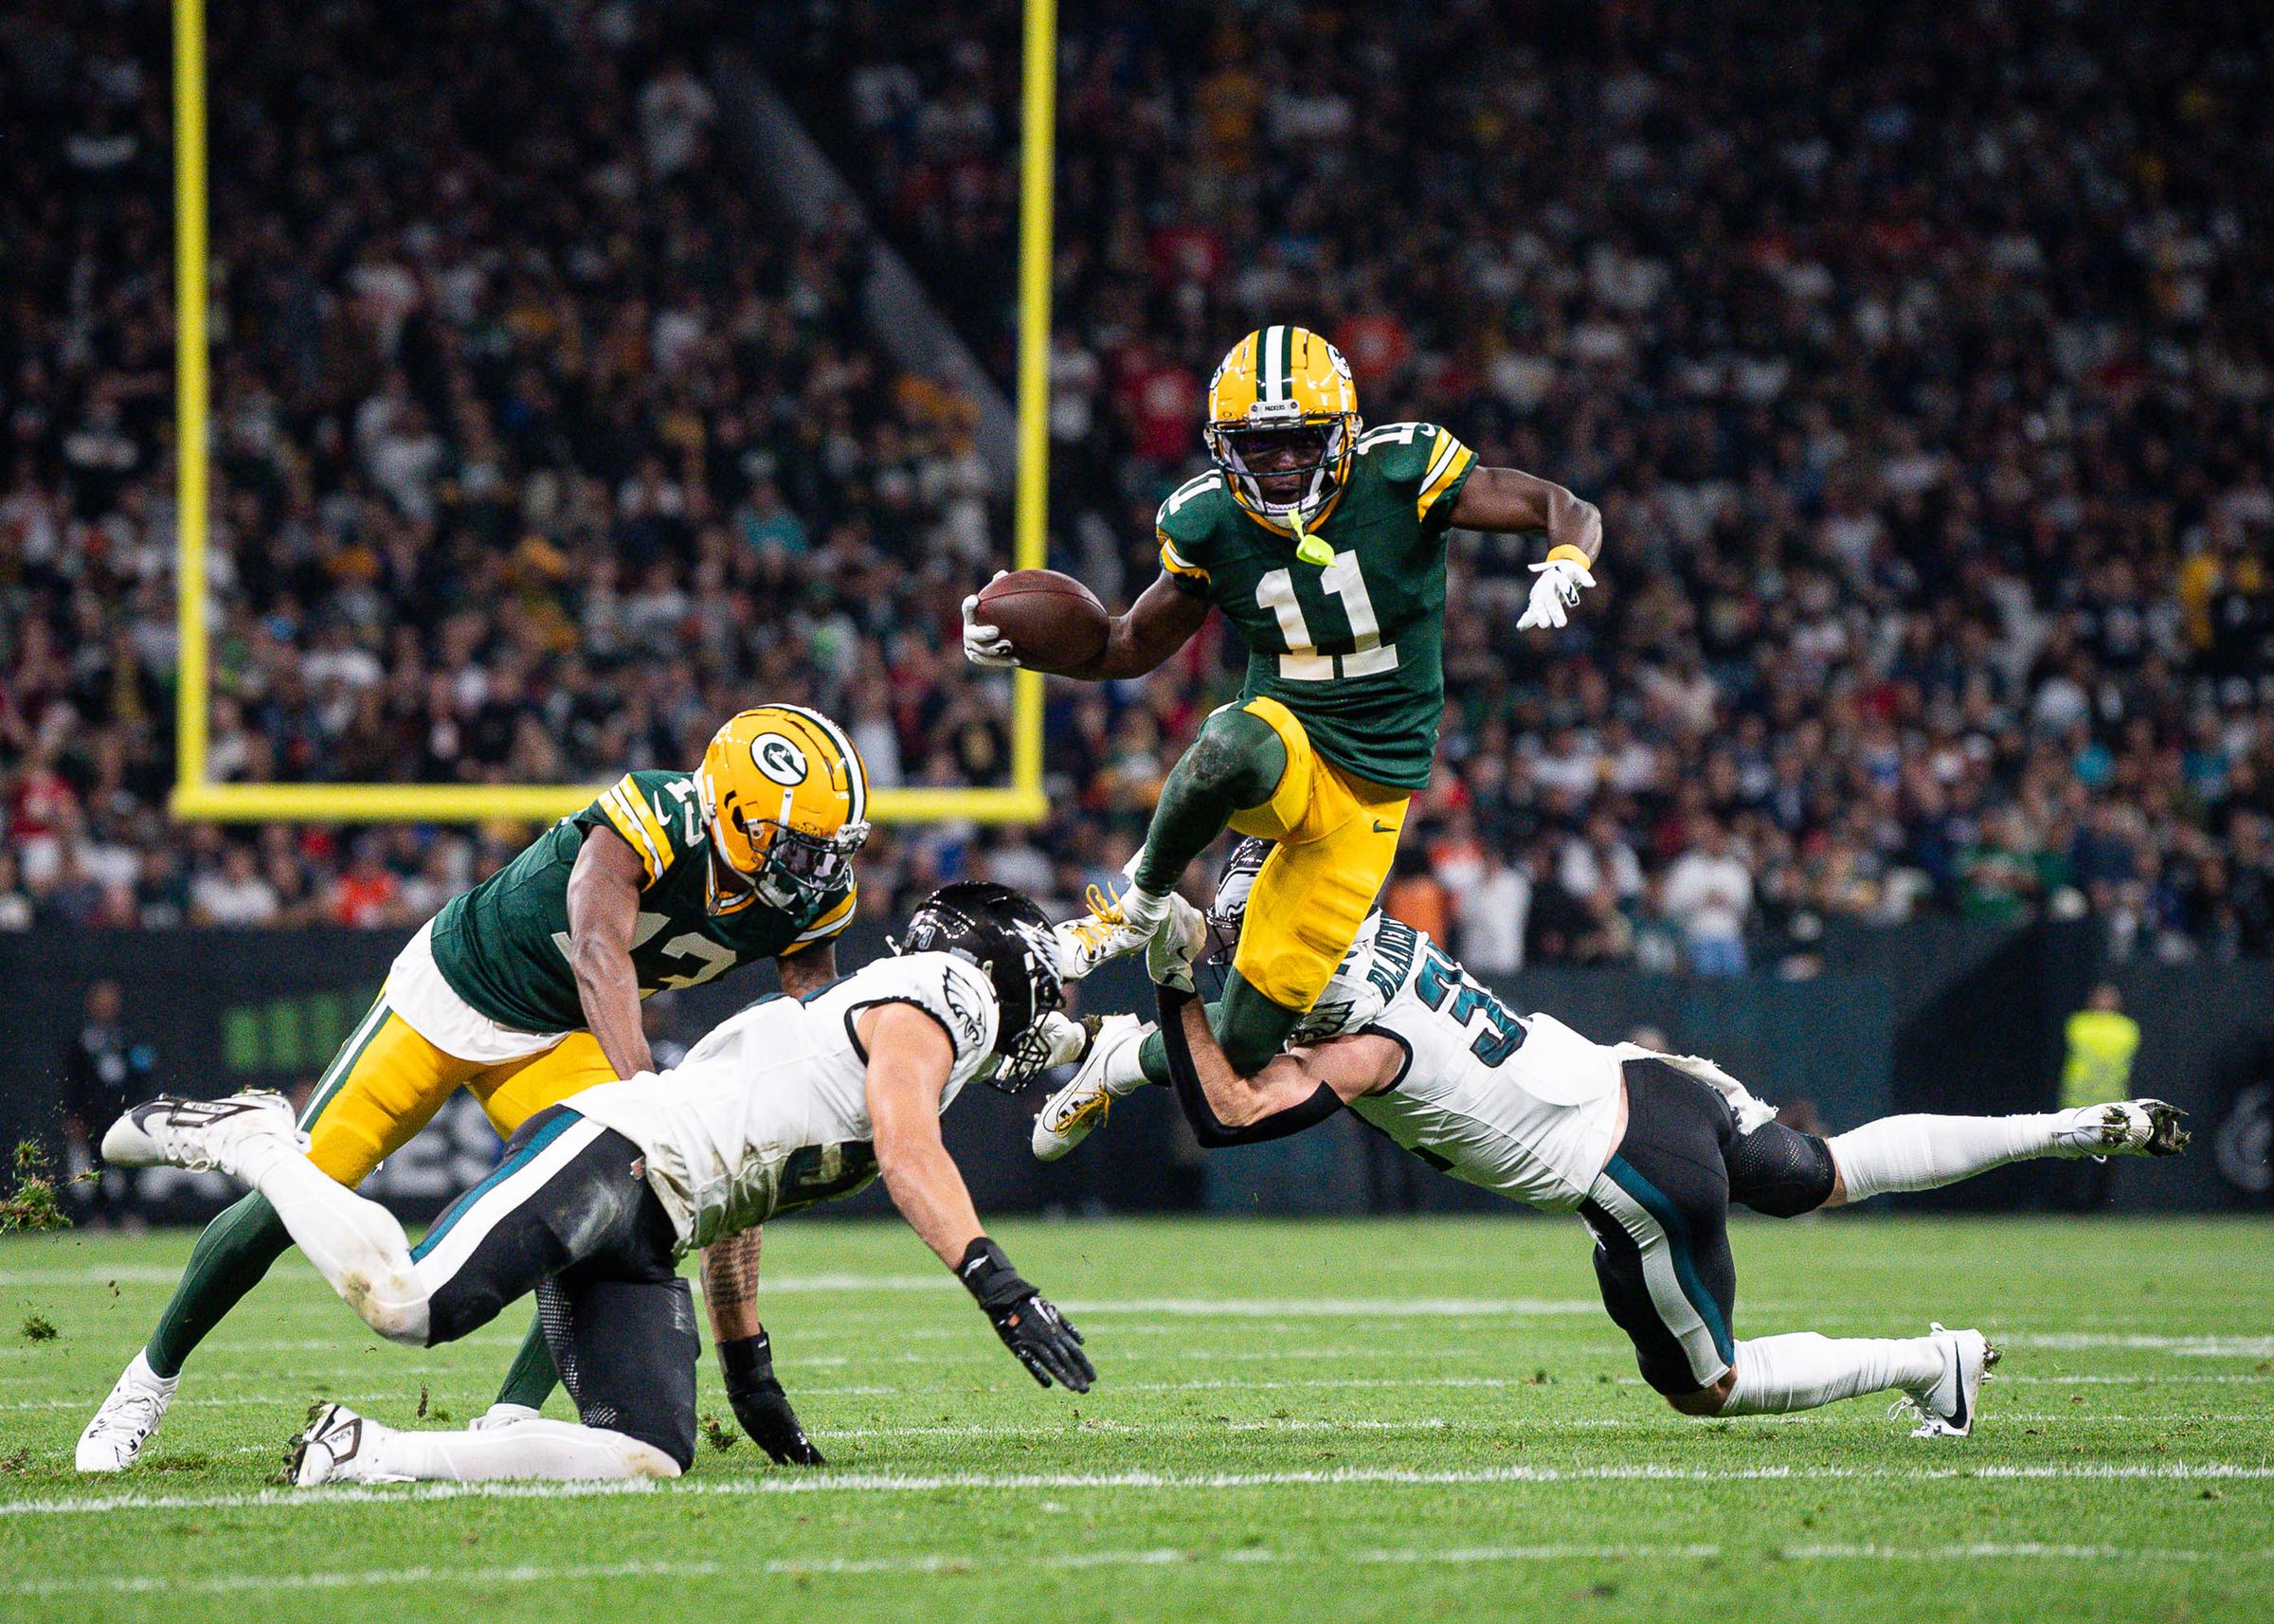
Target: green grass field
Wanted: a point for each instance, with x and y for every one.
(1378, 1420)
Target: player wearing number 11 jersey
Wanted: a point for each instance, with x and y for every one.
(525, 990)
(1323, 545)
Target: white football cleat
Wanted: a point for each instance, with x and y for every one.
(2122, 1128)
(337, 1446)
(501, 1415)
(196, 1135)
(1946, 1410)
(1107, 932)
(1069, 1115)
(114, 1438)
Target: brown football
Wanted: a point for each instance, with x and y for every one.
(1054, 622)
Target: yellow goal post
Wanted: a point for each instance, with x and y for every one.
(197, 798)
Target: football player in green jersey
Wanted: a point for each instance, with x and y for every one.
(1323, 545)
(525, 990)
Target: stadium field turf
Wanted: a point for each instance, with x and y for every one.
(1365, 1420)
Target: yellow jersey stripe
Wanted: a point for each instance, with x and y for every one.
(1176, 563)
(628, 811)
(829, 925)
(1448, 468)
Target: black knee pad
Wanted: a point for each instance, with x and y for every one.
(626, 1352)
(1779, 1170)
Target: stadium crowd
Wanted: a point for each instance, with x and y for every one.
(1931, 413)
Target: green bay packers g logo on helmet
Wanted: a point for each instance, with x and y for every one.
(1283, 423)
(785, 804)
(778, 759)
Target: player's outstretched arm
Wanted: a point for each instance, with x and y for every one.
(1161, 621)
(1292, 1092)
(910, 1059)
(1508, 499)
(604, 909)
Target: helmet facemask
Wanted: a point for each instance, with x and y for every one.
(799, 873)
(1321, 442)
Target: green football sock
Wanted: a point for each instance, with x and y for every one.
(227, 1262)
(1236, 761)
(532, 1377)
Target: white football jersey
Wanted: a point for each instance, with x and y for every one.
(1524, 1106)
(769, 1113)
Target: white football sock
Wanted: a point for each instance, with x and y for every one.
(1802, 1370)
(1926, 1152)
(561, 1451)
(142, 1375)
(1122, 1075)
(356, 1245)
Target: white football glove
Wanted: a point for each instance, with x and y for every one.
(1177, 945)
(984, 644)
(1553, 594)
(1069, 1038)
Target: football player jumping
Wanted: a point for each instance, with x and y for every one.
(527, 990)
(1649, 1149)
(1324, 548)
(793, 1101)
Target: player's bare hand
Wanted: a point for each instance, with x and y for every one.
(984, 644)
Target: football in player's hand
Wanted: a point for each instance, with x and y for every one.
(1052, 621)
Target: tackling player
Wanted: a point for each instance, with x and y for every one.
(1649, 1149)
(1324, 548)
(791, 1102)
(527, 989)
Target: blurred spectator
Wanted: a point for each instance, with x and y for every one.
(1709, 896)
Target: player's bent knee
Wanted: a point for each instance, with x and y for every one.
(1781, 1171)
(396, 1306)
(648, 1461)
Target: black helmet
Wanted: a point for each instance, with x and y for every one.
(1009, 937)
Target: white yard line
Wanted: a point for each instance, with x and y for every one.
(936, 1562)
(1174, 1483)
(2185, 1347)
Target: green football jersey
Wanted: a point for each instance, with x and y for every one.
(503, 946)
(1357, 649)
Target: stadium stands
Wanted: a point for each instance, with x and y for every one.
(1938, 514)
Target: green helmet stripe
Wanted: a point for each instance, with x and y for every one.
(1274, 364)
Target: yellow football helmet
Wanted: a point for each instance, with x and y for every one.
(1279, 388)
(785, 800)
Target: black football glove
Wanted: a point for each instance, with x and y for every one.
(1029, 1325)
(760, 1405)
